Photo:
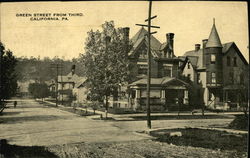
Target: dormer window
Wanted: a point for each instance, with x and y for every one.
(213, 58)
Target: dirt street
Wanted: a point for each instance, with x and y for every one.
(32, 124)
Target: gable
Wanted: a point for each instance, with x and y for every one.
(234, 50)
(175, 84)
(140, 48)
(185, 66)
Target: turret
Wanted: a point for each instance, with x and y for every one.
(213, 58)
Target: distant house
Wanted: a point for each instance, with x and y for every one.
(66, 84)
(219, 73)
(80, 91)
(52, 87)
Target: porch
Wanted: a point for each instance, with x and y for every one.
(166, 94)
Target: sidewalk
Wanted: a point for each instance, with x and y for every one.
(129, 117)
(84, 109)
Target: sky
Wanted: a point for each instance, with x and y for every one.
(189, 21)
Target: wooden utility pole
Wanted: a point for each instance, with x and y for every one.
(61, 82)
(149, 26)
(56, 66)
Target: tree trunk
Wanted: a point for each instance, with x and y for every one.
(106, 107)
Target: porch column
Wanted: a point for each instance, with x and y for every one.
(163, 94)
(163, 98)
(185, 101)
(137, 93)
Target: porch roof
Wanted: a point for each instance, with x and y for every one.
(161, 82)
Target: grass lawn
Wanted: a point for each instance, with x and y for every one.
(211, 139)
(131, 149)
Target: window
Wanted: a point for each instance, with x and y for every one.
(143, 53)
(188, 65)
(142, 69)
(189, 76)
(228, 61)
(213, 58)
(198, 77)
(235, 61)
(167, 71)
(213, 77)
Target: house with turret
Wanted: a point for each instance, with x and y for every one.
(219, 73)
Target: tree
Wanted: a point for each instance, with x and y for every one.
(39, 90)
(105, 61)
(8, 80)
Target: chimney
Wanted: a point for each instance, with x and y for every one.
(73, 68)
(204, 42)
(197, 47)
(170, 43)
(126, 38)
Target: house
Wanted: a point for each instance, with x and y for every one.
(52, 87)
(80, 90)
(66, 84)
(167, 90)
(219, 73)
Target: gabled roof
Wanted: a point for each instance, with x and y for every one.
(226, 46)
(80, 82)
(232, 44)
(155, 53)
(214, 39)
(155, 44)
(195, 57)
(194, 61)
(198, 54)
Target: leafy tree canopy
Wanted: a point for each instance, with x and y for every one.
(39, 90)
(105, 60)
(8, 80)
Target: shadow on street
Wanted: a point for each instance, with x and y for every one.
(12, 151)
(13, 120)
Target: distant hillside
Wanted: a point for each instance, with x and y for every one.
(40, 69)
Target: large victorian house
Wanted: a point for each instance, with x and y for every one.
(219, 73)
(166, 89)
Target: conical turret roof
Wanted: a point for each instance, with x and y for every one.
(214, 39)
